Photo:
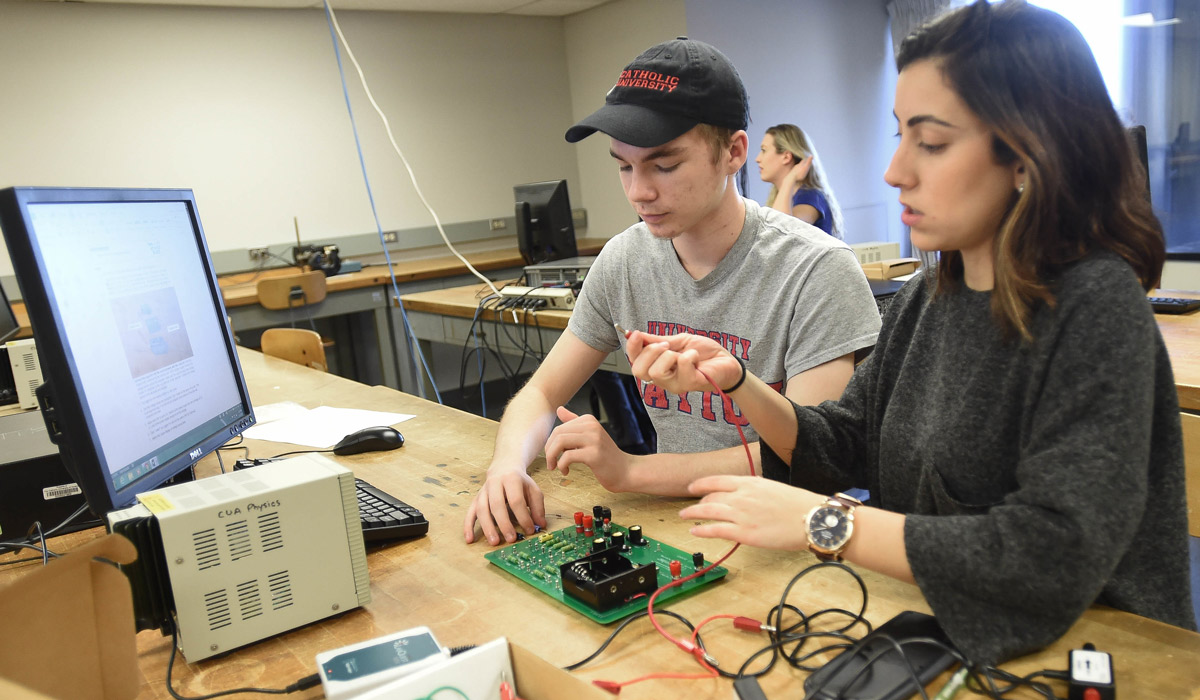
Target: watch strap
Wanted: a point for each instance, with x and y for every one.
(849, 503)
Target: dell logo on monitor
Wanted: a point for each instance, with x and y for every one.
(195, 454)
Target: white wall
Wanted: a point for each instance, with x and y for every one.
(827, 67)
(600, 42)
(245, 107)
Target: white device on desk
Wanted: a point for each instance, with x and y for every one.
(352, 670)
(476, 673)
(555, 297)
(239, 557)
(26, 370)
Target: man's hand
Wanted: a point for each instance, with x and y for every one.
(505, 492)
(582, 440)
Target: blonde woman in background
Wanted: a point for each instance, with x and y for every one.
(799, 186)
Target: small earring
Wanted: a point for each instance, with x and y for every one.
(1021, 188)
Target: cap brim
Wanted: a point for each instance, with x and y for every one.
(632, 124)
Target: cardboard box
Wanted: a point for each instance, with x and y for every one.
(888, 269)
(479, 671)
(68, 628)
(537, 679)
(69, 632)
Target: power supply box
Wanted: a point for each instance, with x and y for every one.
(875, 251)
(242, 556)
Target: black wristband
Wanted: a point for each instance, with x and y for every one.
(740, 379)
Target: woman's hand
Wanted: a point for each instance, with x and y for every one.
(752, 510)
(679, 363)
(798, 172)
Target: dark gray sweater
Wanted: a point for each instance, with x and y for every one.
(1038, 478)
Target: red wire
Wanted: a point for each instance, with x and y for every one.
(689, 646)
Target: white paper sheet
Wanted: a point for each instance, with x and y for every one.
(322, 427)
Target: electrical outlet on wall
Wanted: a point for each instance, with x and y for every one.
(259, 254)
(389, 236)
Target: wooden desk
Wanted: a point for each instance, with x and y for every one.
(442, 582)
(368, 292)
(438, 315)
(445, 316)
(1181, 333)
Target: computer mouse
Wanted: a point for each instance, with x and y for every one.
(375, 439)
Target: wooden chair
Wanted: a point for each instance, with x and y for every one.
(1191, 460)
(290, 291)
(299, 345)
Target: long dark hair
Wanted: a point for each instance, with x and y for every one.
(1028, 74)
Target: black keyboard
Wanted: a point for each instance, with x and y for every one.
(1173, 305)
(384, 517)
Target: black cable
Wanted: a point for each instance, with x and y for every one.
(231, 445)
(781, 636)
(27, 541)
(302, 684)
(990, 673)
(504, 368)
(625, 623)
(462, 368)
(298, 452)
(16, 546)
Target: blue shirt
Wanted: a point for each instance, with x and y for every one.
(816, 200)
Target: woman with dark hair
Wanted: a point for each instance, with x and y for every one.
(799, 186)
(1017, 424)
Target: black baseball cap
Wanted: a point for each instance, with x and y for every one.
(665, 92)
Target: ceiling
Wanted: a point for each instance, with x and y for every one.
(545, 8)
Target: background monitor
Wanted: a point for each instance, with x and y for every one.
(1137, 142)
(8, 320)
(141, 374)
(545, 229)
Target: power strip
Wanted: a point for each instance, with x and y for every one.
(556, 297)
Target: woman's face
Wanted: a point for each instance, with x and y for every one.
(771, 164)
(953, 191)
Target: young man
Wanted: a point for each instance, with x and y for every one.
(791, 302)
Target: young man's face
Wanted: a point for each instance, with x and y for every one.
(675, 187)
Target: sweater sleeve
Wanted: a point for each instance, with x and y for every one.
(1011, 578)
(833, 449)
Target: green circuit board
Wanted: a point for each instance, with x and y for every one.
(537, 561)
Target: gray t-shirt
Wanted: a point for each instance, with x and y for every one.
(785, 298)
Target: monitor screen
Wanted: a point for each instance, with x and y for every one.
(141, 374)
(545, 229)
(8, 321)
(1137, 142)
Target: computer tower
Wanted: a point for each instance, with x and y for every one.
(34, 484)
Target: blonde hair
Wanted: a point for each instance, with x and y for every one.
(790, 138)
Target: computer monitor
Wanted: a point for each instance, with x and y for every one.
(8, 320)
(1137, 142)
(141, 374)
(545, 229)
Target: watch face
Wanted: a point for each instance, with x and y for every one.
(829, 528)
